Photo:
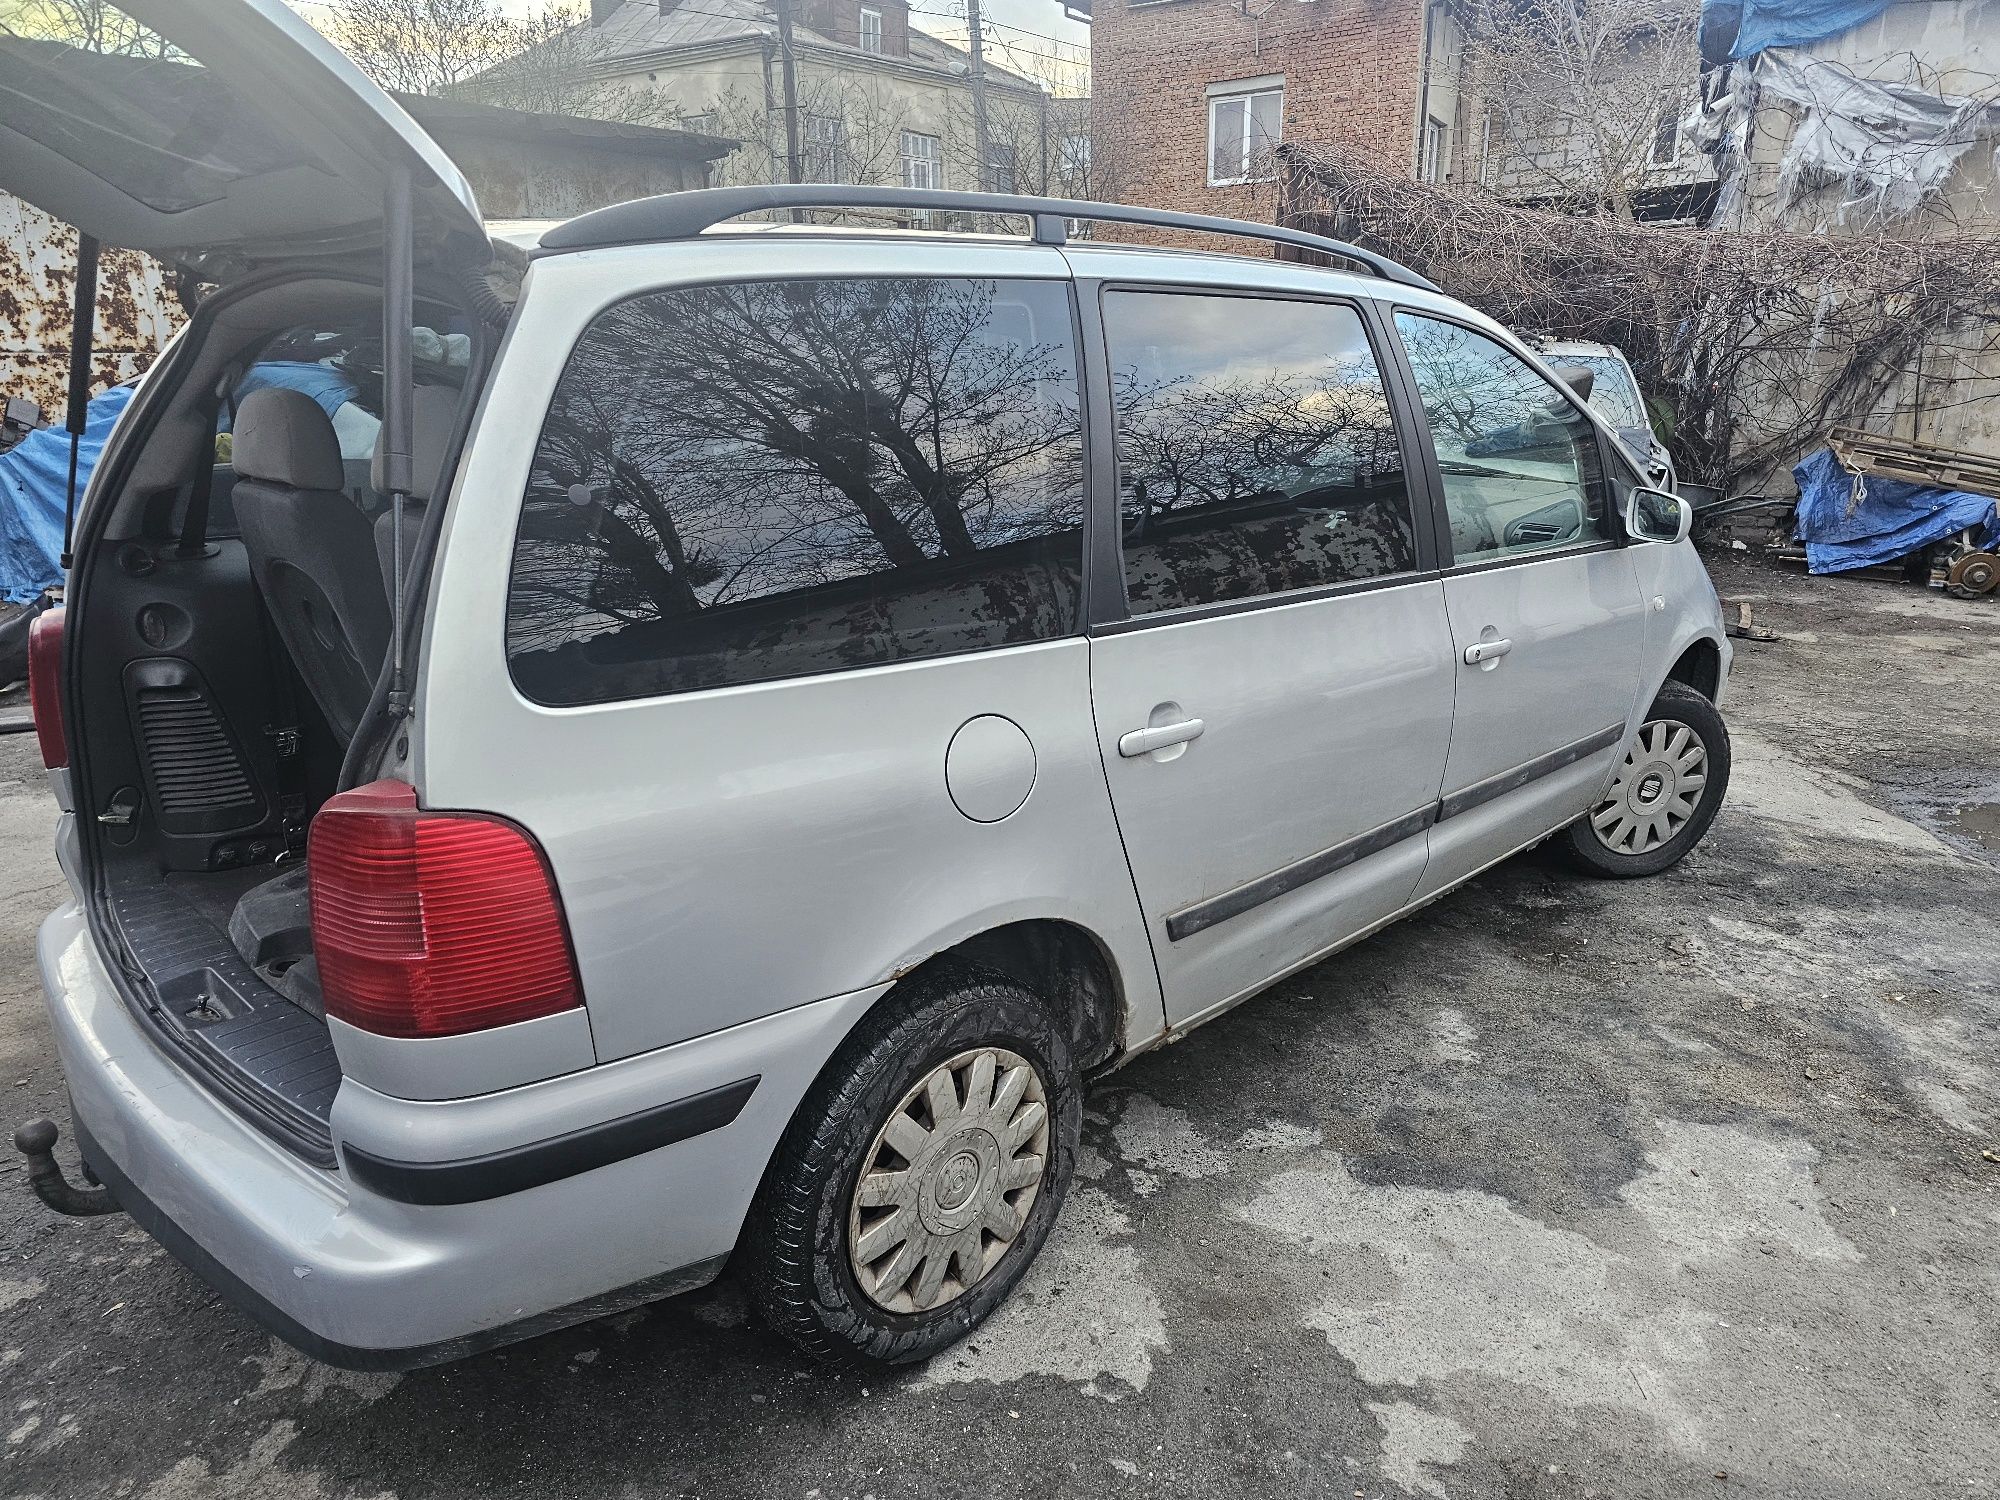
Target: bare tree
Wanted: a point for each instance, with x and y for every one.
(422, 46)
(544, 61)
(1576, 91)
(92, 25)
(1758, 340)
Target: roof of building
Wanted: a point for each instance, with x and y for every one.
(639, 28)
(615, 136)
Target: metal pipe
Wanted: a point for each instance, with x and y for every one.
(398, 317)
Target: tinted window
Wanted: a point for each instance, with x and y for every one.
(1256, 450)
(737, 483)
(1521, 467)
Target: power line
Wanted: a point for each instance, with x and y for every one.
(991, 25)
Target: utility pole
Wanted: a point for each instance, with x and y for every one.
(980, 141)
(788, 67)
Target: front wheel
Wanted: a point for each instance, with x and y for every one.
(1664, 794)
(921, 1174)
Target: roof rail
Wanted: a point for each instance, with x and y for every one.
(681, 216)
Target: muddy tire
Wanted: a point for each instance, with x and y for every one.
(921, 1174)
(1664, 795)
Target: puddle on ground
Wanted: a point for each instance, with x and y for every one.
(1962, 808)
(1980, 822)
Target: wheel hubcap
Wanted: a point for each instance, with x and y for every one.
(1656, 790)
(947, 1185)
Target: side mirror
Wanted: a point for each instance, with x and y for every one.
(1578, 379)
(1656, 516)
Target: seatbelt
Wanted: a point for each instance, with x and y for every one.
(194, 525)
(284, 736)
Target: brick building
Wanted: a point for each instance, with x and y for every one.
(1188, 94)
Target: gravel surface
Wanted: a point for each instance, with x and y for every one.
(1560, 1188)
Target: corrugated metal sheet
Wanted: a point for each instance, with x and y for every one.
(137, 311)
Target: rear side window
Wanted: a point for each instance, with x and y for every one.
(745, 482)
(1521, 468)
(1257, 453)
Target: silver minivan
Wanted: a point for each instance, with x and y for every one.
(784, 709)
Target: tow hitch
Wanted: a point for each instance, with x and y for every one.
(36, 1140)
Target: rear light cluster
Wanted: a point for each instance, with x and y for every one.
(433, 923)
(45, 639)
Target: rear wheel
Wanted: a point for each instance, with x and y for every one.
(1664, 794)
(921, 1174)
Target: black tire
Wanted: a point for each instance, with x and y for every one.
(794, 1253)
(1580, 843)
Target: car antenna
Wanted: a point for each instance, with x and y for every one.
(82, 336)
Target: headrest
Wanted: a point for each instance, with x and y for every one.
(282, 437)
(433, 412)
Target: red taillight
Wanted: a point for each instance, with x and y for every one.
(432, 923)
(45, 637)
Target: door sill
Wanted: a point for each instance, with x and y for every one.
(1175, 1030)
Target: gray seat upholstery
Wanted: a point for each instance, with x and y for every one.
(433, 415)
(311, 550)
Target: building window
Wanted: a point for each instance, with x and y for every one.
(1000, 170)
(923, 162)
(825, 148)
(1437, 150)
(1073, 160)
(1243, 128)
(871, 30)
(700, 124)
(1667, 135)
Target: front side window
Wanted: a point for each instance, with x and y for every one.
(1243, 130)
(1521, 467)
(922, 160)
(1257, 453)
(740, 483)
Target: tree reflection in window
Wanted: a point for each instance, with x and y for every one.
(1257, 452)
(742, 482)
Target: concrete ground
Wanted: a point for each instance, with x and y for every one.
(1561, 1188)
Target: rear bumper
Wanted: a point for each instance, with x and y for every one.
(359, 1278)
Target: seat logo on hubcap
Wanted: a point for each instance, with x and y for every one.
(957, 1179)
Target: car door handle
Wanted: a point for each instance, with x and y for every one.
(1158, 737)
(1480, 651)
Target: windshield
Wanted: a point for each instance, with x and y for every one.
(1614, 395)
(117, 99)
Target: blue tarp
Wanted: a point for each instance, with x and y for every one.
(34, 485)
(1894, 518)
(1757, 24)
(34, 474)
